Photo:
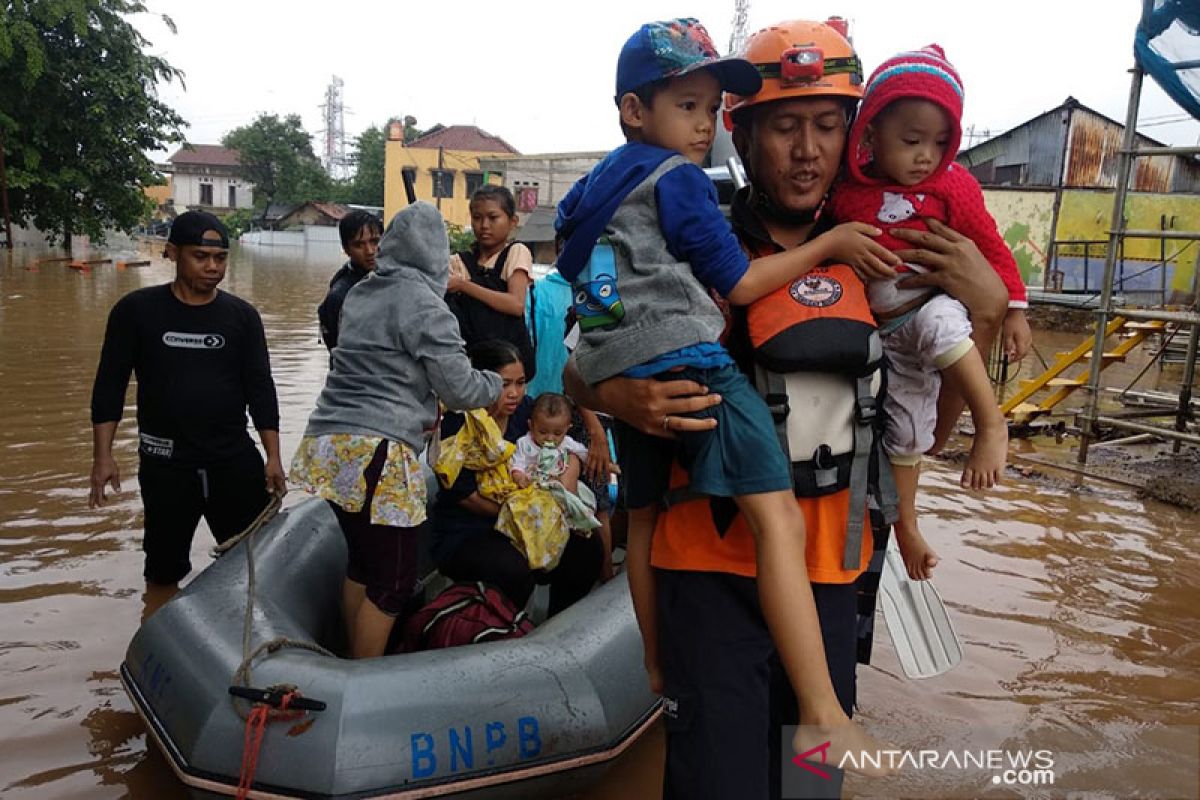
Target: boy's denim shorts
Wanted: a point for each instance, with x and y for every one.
(740, 456)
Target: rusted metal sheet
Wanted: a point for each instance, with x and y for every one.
(1076, 147)
(1092, 157)
(1153, 174)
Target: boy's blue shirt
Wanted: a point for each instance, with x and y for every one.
(689, 215)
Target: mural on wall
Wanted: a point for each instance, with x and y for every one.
(1086, 215)
(1023, 218)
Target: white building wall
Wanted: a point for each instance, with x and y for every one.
(322, 234)
(314, 235)
(274, 238)
(186, 190)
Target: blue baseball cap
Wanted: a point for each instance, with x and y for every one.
(676, 47)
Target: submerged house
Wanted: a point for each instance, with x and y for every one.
(309, 213)
(1049, 183)
(207, 177)
(297, 224)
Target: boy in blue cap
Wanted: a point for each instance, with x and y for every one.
(644, 244)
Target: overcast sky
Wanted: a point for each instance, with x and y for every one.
(540, 73)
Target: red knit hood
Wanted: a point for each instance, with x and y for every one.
(923, 74)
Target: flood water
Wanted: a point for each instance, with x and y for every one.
(1077, 603)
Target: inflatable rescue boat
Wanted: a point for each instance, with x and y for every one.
(539, 716)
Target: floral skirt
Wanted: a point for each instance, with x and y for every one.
(332, 466)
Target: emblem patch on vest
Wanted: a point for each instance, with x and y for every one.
(817, 291)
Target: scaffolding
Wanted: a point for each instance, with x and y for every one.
(1180, 412)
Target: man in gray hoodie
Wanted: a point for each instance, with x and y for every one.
(398, 353)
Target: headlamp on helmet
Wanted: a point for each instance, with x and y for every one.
(801, 64)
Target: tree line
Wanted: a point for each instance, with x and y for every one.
(79, 112)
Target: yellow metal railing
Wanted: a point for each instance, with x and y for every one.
(1019, 408)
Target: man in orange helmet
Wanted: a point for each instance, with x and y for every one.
(725, 696)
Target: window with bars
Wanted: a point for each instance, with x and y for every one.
(443, 182)
(474, 181)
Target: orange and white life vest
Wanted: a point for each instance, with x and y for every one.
(820, 322)
(818, 364)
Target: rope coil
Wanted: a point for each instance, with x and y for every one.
(258, 713)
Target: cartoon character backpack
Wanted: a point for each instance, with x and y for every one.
(596, 302)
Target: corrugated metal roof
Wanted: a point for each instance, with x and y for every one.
(463, 137)
(1092, 145)
(1092, 156)
(208, 155)
(277, 211)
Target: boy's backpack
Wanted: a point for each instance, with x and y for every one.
(465, 613)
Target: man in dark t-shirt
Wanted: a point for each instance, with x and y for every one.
(360, 232)
(200, 357)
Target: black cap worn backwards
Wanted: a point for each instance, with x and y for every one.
(190, 227)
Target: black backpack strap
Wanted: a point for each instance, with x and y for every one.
(470, 261)
(773, 388)
(488, 278)
(531, 328)
(867, 588)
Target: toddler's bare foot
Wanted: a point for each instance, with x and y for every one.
(919, 557)
(988, 454)
(831, 744)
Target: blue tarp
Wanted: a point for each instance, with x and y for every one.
(1167, 46)
(548, 304)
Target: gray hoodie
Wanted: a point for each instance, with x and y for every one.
(399, 349)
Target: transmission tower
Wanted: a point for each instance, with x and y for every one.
(737, 38)
(333, 156)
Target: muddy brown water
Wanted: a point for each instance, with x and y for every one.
(1076, 602)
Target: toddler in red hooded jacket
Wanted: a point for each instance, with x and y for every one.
(901, 171)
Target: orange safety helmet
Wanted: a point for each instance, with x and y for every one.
(800, 59)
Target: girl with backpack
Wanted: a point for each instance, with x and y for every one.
(488, 282)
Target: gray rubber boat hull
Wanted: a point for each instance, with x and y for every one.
(537, 716)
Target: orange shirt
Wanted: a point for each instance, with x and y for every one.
(686, 538)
